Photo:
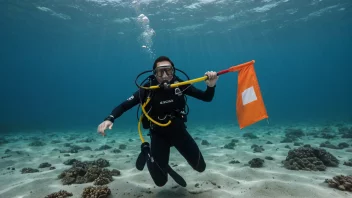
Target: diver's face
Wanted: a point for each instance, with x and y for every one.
(164, 71)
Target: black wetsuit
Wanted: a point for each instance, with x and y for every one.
(165, 102)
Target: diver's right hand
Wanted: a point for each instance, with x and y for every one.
(103, 126)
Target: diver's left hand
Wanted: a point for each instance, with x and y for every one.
(212, 78)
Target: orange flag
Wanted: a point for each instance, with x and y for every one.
(250, 106)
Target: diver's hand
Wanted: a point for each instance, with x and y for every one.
(212, 78)
(103, 126)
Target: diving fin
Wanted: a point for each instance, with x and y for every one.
(178, 179)
(143, 156)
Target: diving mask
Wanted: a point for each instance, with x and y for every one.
(168, 69)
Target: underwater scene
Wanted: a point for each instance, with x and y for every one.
(172, 98)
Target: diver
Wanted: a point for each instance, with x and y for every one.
(166, 104)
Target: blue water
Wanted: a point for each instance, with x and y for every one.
(67, 64)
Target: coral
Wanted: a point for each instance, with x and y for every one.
(96, 192)
(288, 140)
(327, 136)
(269, 158)
(297, 144)
(234, 162)
(3, 141)
(115, 150)
(326, 133)
(115, 172)
(231, 145)
(70, 161)
(29, 170)
(104, 147)
(327, 144)
(341, 182)
(291, 135)
(74, 148)
(88, 171)
(294, 133)
(205, 142)
(37, 143)
(343, 145)
(256, 163)
(44, 165)
(250, 136)
(88, 140)
(309, 158)
(55, 141)
(101, 163)
(60, 194)
(257, 149)
(101, 181)
(345, 132)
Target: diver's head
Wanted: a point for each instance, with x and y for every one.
(163, 69)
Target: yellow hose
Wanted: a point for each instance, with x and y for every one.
(145, 114)
(139, 129)
(179, 84)
(155, 122)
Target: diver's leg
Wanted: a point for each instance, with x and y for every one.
(160, 150)
(188, 148)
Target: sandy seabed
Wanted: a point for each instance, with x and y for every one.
(228, 173)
